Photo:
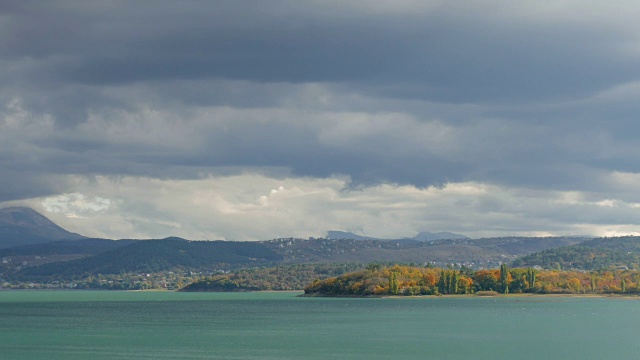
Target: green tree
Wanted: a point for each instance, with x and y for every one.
(531, 278)
(374, 267)
(442, 282)
(393, 283)
(504, 278)
(454, 282)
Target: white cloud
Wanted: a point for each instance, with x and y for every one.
(75, 205)
(254, 207)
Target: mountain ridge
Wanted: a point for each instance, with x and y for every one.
(49, 256)
(25, 226)
(598, 253)
(421, 236)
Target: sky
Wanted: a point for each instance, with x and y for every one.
(249, 120)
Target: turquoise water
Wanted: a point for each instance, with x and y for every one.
(167, 325)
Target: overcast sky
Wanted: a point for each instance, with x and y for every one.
(246, 120)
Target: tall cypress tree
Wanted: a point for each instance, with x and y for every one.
(393, 283)
(454, 282)
(442, 283)
(531, 278)
(504, 278)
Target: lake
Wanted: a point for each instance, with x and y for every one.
(273, 325)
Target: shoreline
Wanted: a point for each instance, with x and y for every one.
(468, 296)
(302, 294)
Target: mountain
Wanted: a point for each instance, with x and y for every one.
(334, 234)
(422, 236)
(429, 236)
(24, 226)
(40, 254)
(66, 260)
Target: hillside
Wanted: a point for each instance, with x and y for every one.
(53, 258)
(93, 256)
(600, 253)
(288, 277)
(148, 256)
(56, 251)
(623, 243)
(83, 246)
(475, 253)
(24, 226)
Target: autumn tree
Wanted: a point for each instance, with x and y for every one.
(486, 280)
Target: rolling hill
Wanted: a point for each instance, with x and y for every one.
(421, 236)
(600, 253)
(64, 247)
(56, 251)
(488, 252)
(148, 256)
(49, 257)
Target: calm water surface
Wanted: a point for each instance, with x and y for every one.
(166, 325)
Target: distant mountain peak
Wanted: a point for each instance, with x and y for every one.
(335, 234)
(429, 236)
(23, 226)
(422, 236)
(23, 216)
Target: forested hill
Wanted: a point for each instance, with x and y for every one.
(66, 247)
(487, 252)
(600, 253)
(150, 256)
(21, 227)
(18, 257)
(287, 277)
(623, 243)
(93, 256)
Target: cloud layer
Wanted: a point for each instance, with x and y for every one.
(341, 100)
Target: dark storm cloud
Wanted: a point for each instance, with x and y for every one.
(450, 53)
(513, 95)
